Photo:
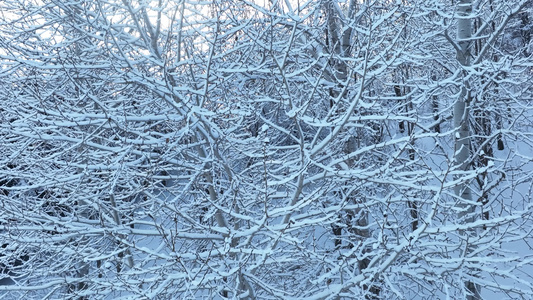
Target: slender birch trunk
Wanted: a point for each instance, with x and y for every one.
(461, 114)
(341, 40)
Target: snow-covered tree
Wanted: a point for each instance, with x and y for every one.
(265, 149)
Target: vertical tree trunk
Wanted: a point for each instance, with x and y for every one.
(340, 41)
(461, 123)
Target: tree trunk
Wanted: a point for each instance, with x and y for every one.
(461, 124)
